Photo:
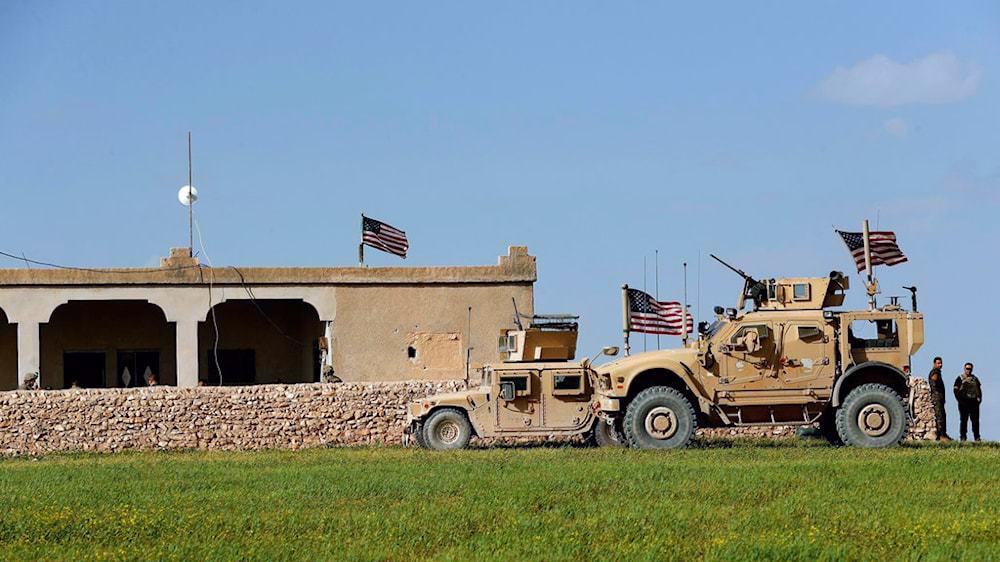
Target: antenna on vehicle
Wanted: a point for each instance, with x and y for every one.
(517, 315)
(187, 196)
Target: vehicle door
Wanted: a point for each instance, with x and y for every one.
(523, 411)
(748, 361)
(807, 354)
(565, 397)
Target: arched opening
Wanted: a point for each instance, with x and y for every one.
(261, 341)
(8, 353)
(107, 344)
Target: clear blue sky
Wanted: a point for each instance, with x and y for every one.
(593, 133)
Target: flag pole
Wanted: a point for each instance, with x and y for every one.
(871, 286)
(657, 266)
(625, 323)
(684, 309)
(645, 289)
(361, 246)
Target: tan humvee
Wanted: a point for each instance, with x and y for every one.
(792, 359)
(538, 390)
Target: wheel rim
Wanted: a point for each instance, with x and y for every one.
(661, 423)
(874, 420)
(448, 432)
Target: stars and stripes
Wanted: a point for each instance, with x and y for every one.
(382, 236)
(883, 245)
(649, 316)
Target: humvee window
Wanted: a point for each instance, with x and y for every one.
(567, 384)
(809, 332)
(521, 386)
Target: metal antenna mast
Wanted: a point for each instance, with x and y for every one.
(191, 203)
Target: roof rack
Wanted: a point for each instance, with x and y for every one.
(560, 322)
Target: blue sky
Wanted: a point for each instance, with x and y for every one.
(593, 133)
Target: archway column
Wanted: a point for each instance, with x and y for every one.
(28, 351)
(187, 353)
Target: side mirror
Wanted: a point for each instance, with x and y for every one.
(731, 313)
(507, 391)
(718, 310)
(610, 351)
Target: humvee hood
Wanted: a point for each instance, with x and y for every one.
(650, 358)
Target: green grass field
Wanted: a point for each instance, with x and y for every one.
(790, 501)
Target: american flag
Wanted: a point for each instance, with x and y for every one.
(383, 237)
(883, 245)
(650, 316)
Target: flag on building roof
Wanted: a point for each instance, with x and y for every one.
(884, 249)
(650, 316)
(382, 236)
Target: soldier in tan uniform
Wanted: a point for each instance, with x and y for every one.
(936, 381)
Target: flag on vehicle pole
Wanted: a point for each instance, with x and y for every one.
(882, 247)
(650, 316)
(382, 236)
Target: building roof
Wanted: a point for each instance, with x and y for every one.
(182, 269)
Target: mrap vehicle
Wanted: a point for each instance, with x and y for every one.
(537, 390)
(793, 358)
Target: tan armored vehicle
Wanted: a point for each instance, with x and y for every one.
(792, 359)
(538, 390)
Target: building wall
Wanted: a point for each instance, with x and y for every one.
(8, 353)
(279, 359)
(377, 325)
(108, 327)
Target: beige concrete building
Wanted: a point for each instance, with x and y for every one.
(186, 322)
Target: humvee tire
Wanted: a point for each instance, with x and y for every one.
(447, 428)
(606, 435)
(659, 417)
(418, 435)
(872, 416)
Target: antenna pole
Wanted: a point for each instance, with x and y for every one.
(625, 315)
(684, 322)
(868, 266)
(361, 246)
(190, 202)
(656, 254)
(645, 289)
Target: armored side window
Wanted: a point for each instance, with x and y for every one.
(809, 333)
(567, 383)
(761, 330)
(874, 334)
(522, 383)
(800, 291)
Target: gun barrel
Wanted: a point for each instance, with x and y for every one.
(731, 268)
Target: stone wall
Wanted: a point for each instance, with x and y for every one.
(243, 418)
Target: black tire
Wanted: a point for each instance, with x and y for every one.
(418, 434)
(662, 410)
(607, 434)
(828, 427)
(873, 415)
(447, 429)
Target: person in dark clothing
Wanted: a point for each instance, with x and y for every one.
(936, 381)
(969, 394)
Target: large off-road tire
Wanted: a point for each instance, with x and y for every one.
(659, 418)
(873, 415)
(828, 427)
(417, 431)
(447, 428)
(607, 434)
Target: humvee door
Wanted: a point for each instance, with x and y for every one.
(522, 412)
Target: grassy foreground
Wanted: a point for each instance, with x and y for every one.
(742, 501)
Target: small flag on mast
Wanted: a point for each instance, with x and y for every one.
(884, 249)
(382, 236)
(650, 316)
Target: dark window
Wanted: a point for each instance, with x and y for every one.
(138, 364)
(873, 334)
(239, 367)
(411, 352)
(85, 368)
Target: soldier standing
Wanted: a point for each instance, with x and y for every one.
(969, 394)
(936, 381)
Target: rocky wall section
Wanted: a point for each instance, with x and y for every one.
(249, 418)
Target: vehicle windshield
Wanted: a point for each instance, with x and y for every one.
(714, 328)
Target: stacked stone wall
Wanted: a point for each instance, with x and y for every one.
(246, 418)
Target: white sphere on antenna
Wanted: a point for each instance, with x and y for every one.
(187, 195)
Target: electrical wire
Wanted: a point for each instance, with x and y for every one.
(137, 271)
(211, 305)
(253, 299)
